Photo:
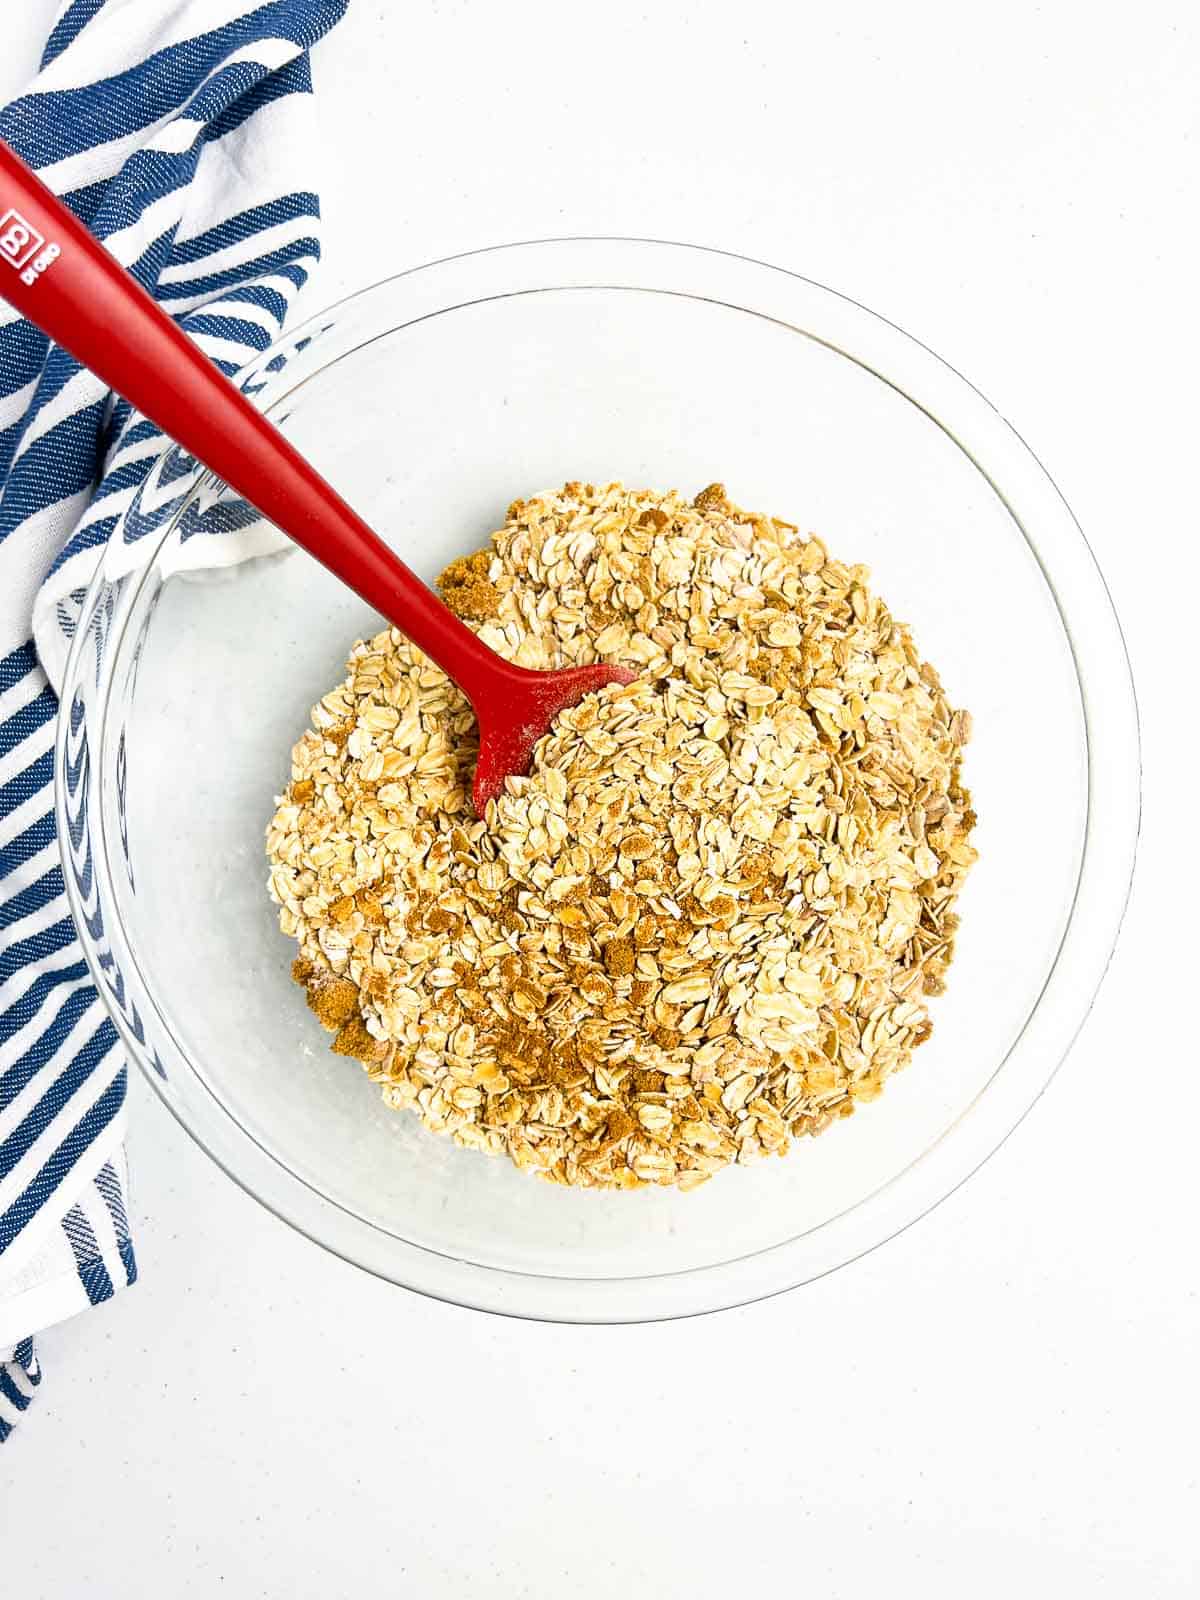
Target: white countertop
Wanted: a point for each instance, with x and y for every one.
(1003, 1399)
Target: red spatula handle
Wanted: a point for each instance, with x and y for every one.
(59, 277)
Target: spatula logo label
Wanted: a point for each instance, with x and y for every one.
(24, 248)
(19, 240)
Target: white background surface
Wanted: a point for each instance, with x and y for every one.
(1003, 1400)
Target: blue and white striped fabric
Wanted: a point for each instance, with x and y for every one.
(181, 132)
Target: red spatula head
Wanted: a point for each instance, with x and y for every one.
(518, 710)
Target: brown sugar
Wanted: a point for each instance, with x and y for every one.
(713, 498)
(438, 920)
(756, 867)
(619, 1126)
(531, 1052)
(511, 968)
(342, 909)
(354, 1040)
(467, 589)
(332, 999)
(377, 987)
(534, 997)
(370, 905)
(619, 957)
(655, 517)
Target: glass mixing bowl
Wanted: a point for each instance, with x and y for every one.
(432, 401)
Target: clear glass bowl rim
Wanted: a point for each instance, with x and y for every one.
(1110, 716)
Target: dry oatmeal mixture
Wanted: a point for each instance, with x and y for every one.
(710, 919)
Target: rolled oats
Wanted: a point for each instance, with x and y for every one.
(708, 920)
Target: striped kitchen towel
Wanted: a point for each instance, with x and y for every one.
(181, 132)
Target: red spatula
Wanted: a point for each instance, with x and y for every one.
(59, 277)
